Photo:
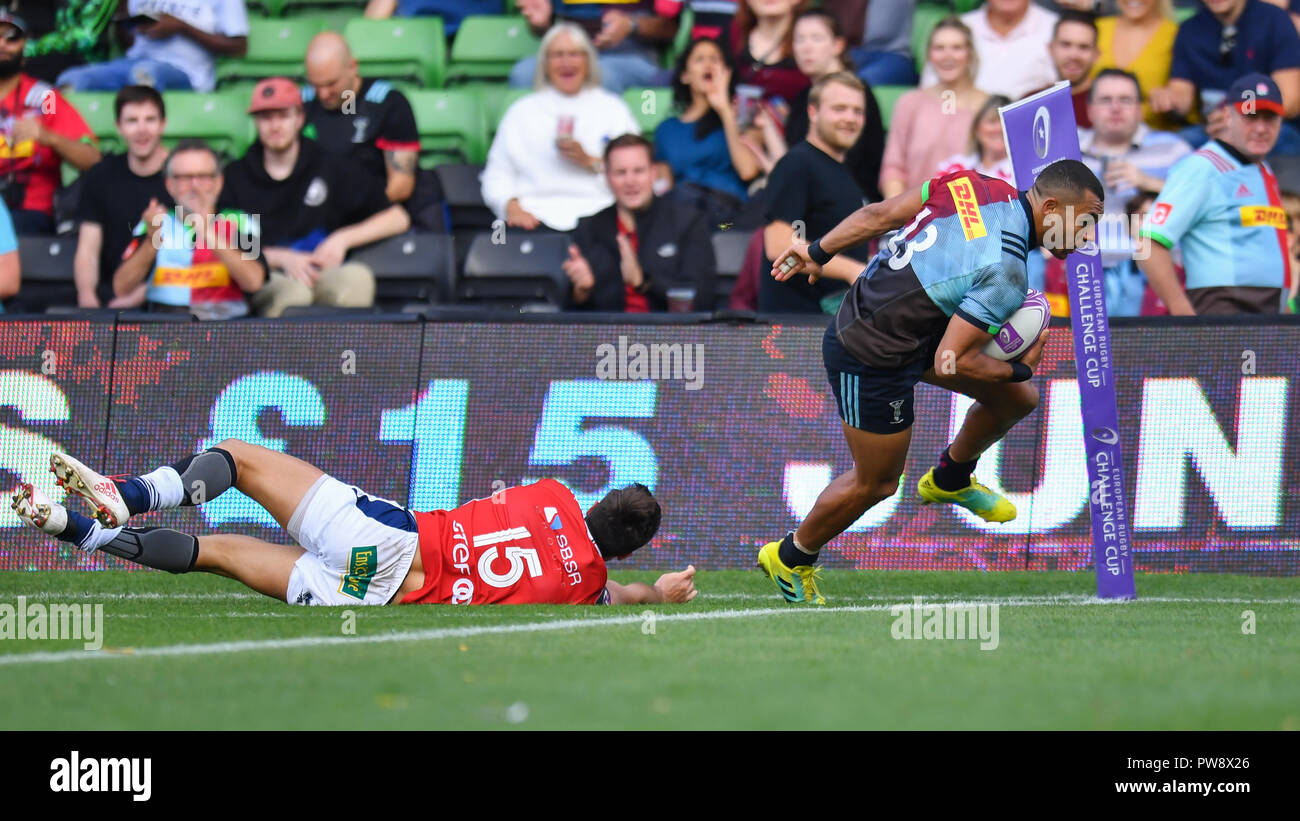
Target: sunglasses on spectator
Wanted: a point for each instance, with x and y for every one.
(13, 35)
(1227, 45)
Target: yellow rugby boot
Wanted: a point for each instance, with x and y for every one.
(984, 503)
(795, 583)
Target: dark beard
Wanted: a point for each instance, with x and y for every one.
(10, 67)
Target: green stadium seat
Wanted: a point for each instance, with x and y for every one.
(487, 47)
(265, 8)
(685, 21)
(886, 97)
(275, 47)
(407, 48)
(220, 118)
(451, 124)
(495, 101)
(650, 106)
(927, 14)
(963, 6)
(96, 108)
(330, 19)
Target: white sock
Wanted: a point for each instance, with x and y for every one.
(165, 488)
(97, 537)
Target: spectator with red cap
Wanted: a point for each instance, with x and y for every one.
(1221, 205)
(313, 209)
(41, 130)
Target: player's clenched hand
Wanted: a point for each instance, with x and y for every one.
(678, 587)
(794, 260)
(1035, 352)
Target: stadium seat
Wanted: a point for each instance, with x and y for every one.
(265, 8)
(47, 266)
(650, 106)
(729, 250)
(462, 187)
(685, 22)
(403, 48)
(96, 108)
(275, 47)
(886, 97)
(411, 267)
(496, 99)
(923, 20)
(451, 125)
(220, 118)
(487, 47)
(526, 267)
(1181, 13)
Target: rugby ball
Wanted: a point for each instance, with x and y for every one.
(1022, 329)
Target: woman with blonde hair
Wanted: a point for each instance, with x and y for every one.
(545, 166)
(931, 124)
(1140, 40)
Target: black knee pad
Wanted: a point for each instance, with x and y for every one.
(157, 547)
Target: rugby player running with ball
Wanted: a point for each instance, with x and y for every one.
(923, 309)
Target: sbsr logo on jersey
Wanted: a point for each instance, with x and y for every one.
(968, 209)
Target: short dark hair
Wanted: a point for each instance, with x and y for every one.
(1137, 201)
(1114, 72)
(627, 141)
(624, 520)
(187, 145)
(138, 94)
(1071, 16)
(1068, 177)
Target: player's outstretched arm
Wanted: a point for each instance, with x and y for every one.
(868, 222)
(673, 588)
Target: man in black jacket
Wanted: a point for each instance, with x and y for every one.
(630, 255)
(313, 209)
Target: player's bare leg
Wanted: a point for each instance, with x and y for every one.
(263, 566)
(878, 461)
(998, 408)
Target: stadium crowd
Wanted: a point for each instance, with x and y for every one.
(655, 154)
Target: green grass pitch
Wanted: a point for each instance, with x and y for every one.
(203, 652)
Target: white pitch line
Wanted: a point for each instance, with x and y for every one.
(548, 626)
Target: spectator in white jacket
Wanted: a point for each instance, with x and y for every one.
(545, 168)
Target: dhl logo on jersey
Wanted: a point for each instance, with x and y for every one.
(1269, 216)
(19, 151)
(202, 275)
(968, 210)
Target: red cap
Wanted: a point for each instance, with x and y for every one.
(275, 93)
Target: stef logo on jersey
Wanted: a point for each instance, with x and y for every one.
(462, 590)
(1161, 213)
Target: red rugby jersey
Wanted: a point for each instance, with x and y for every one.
(524, 545)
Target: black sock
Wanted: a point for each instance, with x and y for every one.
(157, 547)
(792, 556)
(952, 475)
